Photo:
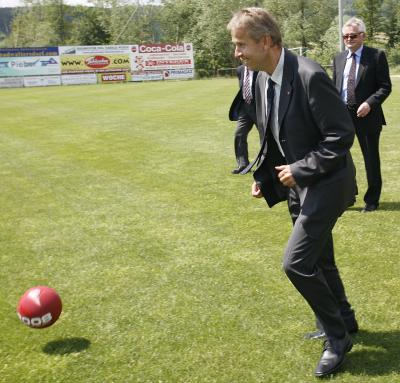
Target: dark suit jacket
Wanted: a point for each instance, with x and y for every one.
(238, 100)
(316, 133)
(373, 85)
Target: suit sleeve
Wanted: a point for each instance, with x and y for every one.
(334, 128)
(239, 74)
(383, 83)
(334, 71)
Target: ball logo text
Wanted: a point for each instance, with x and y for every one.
(37, 321)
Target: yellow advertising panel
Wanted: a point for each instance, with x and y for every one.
(96, 63)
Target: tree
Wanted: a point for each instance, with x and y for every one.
(391, 21)
(29, 27)
(303, 22)
(40, 23)
(369, 12)
(55, 14)
(141, 24)
(178, 18)
(325, 49)
(126, 23)
(87, 28)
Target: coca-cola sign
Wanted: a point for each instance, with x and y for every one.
(161, 48)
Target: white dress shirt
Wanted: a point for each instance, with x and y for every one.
(347, 71)
(277, 79)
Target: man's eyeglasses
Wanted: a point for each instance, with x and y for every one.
(351, 36)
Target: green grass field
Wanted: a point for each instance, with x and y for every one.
(120, 197)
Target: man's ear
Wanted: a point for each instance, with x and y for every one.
(267, 41)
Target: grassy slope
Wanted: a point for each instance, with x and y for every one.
(121, 198)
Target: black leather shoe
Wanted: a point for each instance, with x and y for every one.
(349, 321)
(333, 356)
(238, 170)
(368, 208)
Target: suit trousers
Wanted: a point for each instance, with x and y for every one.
(245, 122)
(310, 265)
(369, 144)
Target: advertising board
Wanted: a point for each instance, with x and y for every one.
(159, 58)
(19, 62)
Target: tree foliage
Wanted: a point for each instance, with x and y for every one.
(310, 24)
(88, 28)
(40, 23)
(369, 12)
(391, 22)
(303, 22)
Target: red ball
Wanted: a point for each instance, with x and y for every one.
(39, 307)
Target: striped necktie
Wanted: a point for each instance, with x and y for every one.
(351, 82)
(247, 87)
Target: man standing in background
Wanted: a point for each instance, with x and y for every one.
(361, 75)
(243, 110)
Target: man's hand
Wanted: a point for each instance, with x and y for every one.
(363, 109)
(285, 175)
(256, 191)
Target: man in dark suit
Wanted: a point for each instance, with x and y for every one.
(363, 89)
(304, 159)
(243, 111)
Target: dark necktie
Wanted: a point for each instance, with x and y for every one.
(270, 110)
(351, 82)
(247, 87)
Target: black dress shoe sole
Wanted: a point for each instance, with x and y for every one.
(369, 208)
(351, 326)
(238, 170)
(319, 334)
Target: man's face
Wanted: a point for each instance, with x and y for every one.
(353, 39)
(249, 51)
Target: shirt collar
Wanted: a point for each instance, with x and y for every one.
(357, 52)
(278, 72)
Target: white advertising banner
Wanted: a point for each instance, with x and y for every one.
(175, 74)
(42, 81)
(11, 82)
(94, 49)
(76, 79)
(155, 58)
(16, 62)
(147, 75)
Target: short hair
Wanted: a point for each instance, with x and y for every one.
(258, 23)
(355, 22)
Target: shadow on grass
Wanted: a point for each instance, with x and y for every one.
(379, 354)
(66, 346)
(385, 206)
(389, 206)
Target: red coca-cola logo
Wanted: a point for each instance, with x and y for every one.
(97, 62)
